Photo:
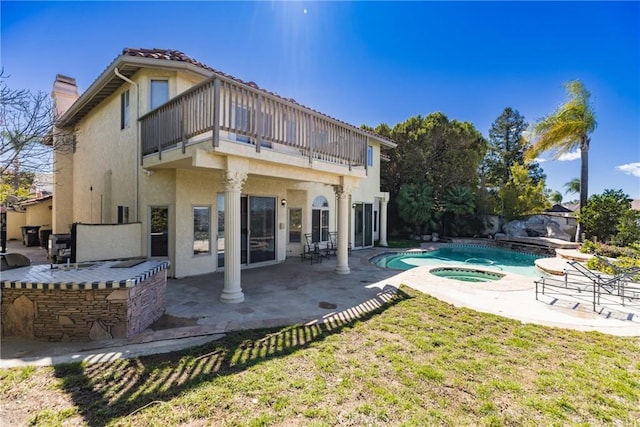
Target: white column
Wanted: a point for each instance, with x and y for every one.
(342, 254)
(383, 222)
(233, 182)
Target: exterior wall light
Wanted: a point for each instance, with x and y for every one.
(283, 202)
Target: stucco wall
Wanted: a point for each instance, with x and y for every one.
(105, 162)
(62, 213)
(40, 214)
(104, 242)
(15, 220)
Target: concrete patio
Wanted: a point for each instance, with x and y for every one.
(296, 292)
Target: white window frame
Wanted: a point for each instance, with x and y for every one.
(125, 110)
(151, 100)
(208, 231)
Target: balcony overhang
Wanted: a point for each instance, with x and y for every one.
(273, 165)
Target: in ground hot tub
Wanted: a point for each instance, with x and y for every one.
(466, 274)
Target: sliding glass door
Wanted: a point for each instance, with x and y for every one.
(257, 229)
(363, 225)
(262, 229)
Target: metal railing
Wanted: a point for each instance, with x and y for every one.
(250, 116)
(599, 290)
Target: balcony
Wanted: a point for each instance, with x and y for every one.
(223, 111)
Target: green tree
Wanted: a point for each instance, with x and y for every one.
(628, 228)
(566, 129)
(431, 150)
(572, 186)
(554, 197)
(415, 206)
(457, 201)
(506, 148)
(16, 185)
(600, 216)
(521, 196)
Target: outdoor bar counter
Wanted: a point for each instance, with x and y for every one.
(83, 302)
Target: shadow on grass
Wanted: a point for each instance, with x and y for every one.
(104, 392)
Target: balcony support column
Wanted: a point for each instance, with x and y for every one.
(233, 182)
(342, 254)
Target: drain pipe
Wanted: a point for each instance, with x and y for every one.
(137, 159)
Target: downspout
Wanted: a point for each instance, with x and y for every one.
(136, 177)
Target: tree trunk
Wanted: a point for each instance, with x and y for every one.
(584, 181)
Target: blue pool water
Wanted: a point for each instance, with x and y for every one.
(463, 256)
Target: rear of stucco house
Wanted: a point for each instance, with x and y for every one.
(217, 173)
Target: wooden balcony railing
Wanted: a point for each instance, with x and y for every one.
(248, 115)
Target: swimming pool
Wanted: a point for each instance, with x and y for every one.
(487, 257)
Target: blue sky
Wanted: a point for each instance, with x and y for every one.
(372, 62)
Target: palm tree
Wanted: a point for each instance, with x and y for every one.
(456, 201)
(415, 206)
(572, 186)
(567, 129)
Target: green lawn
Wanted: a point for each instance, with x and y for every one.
(416, 360)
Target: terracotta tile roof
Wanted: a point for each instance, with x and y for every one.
(176, 55)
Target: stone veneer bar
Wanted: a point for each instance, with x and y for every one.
(93, 302)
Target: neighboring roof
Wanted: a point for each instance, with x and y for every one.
(573, 207)
(131, 60)
(38, 199)
(559, 208)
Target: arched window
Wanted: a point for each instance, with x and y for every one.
(320, 202)
(320, 219)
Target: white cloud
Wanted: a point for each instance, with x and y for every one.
(630, 169)
(540, 160)
(567, 157)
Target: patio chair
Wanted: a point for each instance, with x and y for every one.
(332, 244)
(310, 250)
(14, 260)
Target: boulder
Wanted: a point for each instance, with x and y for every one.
(515, 228)
(491, 225)
(554, 230)
(536, 226)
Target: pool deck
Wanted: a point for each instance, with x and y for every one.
(302, 293)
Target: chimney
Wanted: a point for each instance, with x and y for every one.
(64, 94)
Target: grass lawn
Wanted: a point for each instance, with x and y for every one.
(415, 361)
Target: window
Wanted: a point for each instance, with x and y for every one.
(123, 214)
(295, 225)
(125, 110)
(159, 92)
(159, 231)
(320, 220)
(369, 155)
(201, 230)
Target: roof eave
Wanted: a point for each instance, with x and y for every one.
(69, 117)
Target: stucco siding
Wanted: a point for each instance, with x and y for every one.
(104, 164)
(40, 214)
(15, 220)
